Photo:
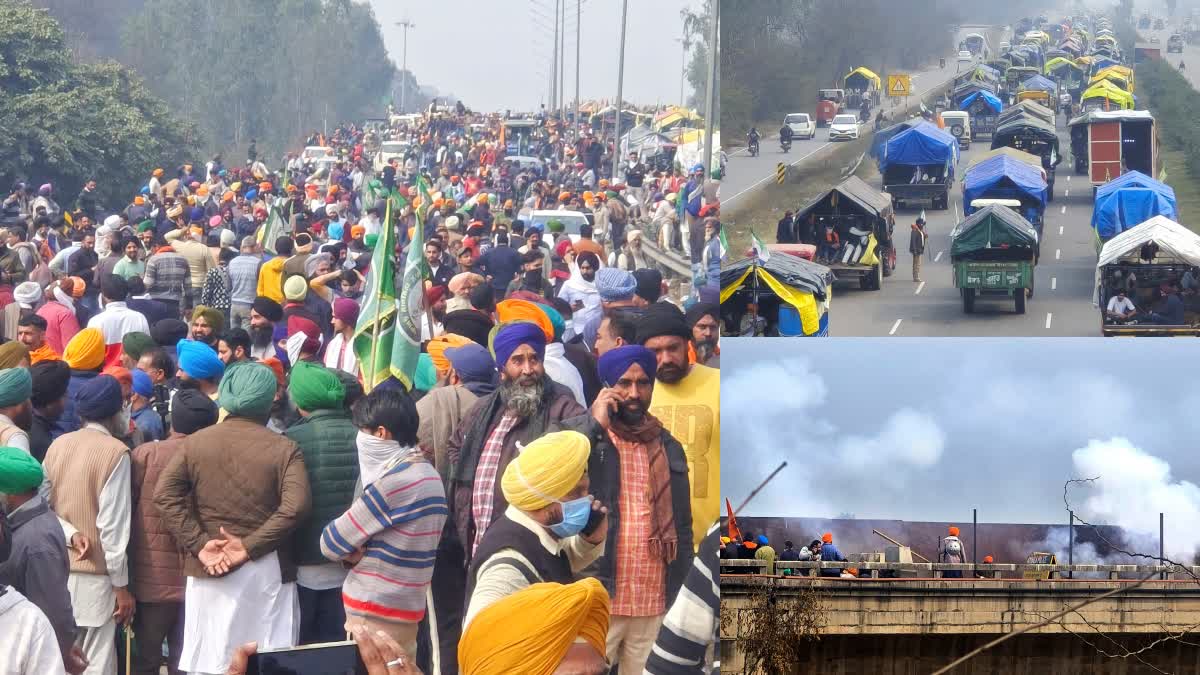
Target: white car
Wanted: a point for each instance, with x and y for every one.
(571, 221)
(389, 150)
(844, 127)
(802, 125)
(965, 57)
(314, 152)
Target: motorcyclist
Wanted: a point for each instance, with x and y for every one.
(785, 134)
(752, 137)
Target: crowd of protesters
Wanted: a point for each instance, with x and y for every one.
(191, 459)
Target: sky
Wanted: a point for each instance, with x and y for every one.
(929, 429)
(494, 55)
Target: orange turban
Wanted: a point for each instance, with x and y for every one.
(531, 630)
(357, 231)
(264, 186)
(78, 286)
(953, 531)
(85, 351)
(564, 196)
(228, 196)
(523, 310)
(827, 537)
(123, 376)
(437, 350)
(276, 367)
(139, 200)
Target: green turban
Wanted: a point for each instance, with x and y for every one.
(370, 240)
(145, 226)
(16, 386)
(19, 471)
(314, 387)
(610, 194)
(556, 226)
(248, 390)
(426, 376)
(137, 343)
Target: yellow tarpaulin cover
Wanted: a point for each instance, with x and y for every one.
(805, 303)
(865, 73)
(1111, 92)
(1058, 61)
(1118, 75)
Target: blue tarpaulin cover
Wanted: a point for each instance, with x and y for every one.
(881, 137)
(921, 145)
(1136, 179)
(1121, 209)
(993, 101)
(1002, 177)
(1039, 83)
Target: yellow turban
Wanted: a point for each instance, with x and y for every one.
(12, 354)
(530, 631)
(548, 468)
(85, 351)
(437, 350)
(524, 310)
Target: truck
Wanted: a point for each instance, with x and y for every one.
(1106, 144)
(1122, 266)
(1175, 44)
(977, 44)
(830, 102)
(863, 219)
(1028, 134)
(1006, 177)
(918, 165)
(993, 253)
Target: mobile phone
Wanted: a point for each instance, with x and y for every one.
(593, 522)
(328, 658)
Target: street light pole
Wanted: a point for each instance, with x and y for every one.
(578, 14)
(710, 105)
(562, 61)
(687, 45)
(405, 24)
(555, 94)
(616, 159)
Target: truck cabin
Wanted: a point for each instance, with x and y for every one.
(836, 95)
(917, 174)
(1029, 209)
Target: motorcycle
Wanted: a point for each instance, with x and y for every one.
(754, 149)
(785, 144)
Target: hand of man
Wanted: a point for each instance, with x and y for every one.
(240, 659)
(235, 551)
(213, 558)
(123, 611)
(600, 533)
(606, 403)
(354, 557)
(378, 650)
(80, 543)
(76, 662)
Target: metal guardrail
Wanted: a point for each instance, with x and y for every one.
(756, 567)
(668, 261)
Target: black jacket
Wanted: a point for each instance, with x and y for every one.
(604, 470)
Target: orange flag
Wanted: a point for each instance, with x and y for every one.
(735, 533)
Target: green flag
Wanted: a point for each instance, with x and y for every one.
(374, 332)
(760, 249)
(271, 229)
(406, 338)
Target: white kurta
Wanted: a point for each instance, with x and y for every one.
(250, 604)
(27, 642)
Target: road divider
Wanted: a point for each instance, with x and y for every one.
(895, 327)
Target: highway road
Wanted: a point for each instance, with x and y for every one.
(1063, 284)
(745, 173)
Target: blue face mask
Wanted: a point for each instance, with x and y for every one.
(575, 517)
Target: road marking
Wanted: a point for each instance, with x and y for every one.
(1054, 283)
(894, 327)
(1058, 254)
(1049, 316)
(956, 210)
(1068, 179)
(938, 256)
(1067, 193)
(1060, 229)
(1064, 211)
(919, 287)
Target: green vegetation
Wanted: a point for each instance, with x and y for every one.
(64, 122)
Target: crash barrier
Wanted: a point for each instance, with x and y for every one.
(1027, 571)
(780, 172)
(669, 263)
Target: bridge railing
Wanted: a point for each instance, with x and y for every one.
(872, 570)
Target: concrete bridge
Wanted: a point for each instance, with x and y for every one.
(916, 624)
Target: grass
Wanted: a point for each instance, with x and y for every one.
(1187, 189)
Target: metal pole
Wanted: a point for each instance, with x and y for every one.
(616, 158)
(554, 93)
(683, 72)
(974, 538)
(1071, 542)
(710, 94)
(405, 24)
(760, 487)
(1161, 547)
(562, 64)
(578, 14)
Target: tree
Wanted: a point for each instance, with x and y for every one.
(272, 70)
(64, 122)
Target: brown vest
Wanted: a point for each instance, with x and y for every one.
(78, 465)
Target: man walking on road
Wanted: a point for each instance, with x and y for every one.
(916, 245)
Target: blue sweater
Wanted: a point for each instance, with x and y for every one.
(830, 553)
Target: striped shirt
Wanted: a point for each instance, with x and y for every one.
(168, 277)
(397, 521)
(686, 641)
(243, 275)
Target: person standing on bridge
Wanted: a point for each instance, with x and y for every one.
(830, 553)
(952, 551)
(916, 245)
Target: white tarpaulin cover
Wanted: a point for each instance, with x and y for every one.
(1177, 245)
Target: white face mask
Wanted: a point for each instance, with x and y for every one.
(376, 456)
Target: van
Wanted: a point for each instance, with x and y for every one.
(958, 123)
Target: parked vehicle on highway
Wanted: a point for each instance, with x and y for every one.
(1128, 201)
(1035, 137)
(984, 109)
(791, 291)
(802, 125)
(862, 219)
(1123, 265)
(1106, 144)
(993, 252)
(958, 123)
(861, 85)
(830, 102)
(389, 150)
(1175, 44)
(918, 166)
(844, 128)
(965, 57)
(1006, 177)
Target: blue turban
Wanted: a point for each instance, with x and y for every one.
(615, 284)
(507, 337)
(556, 320)
(98, 398)
(196, 215)
(472, 362)
(425, 377)
(615, 362)
(251, 194)
(336, 230)
(142, 385)
(145, 189)
(16, 386)
(199, 360)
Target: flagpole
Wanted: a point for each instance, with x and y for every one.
(387, 222)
